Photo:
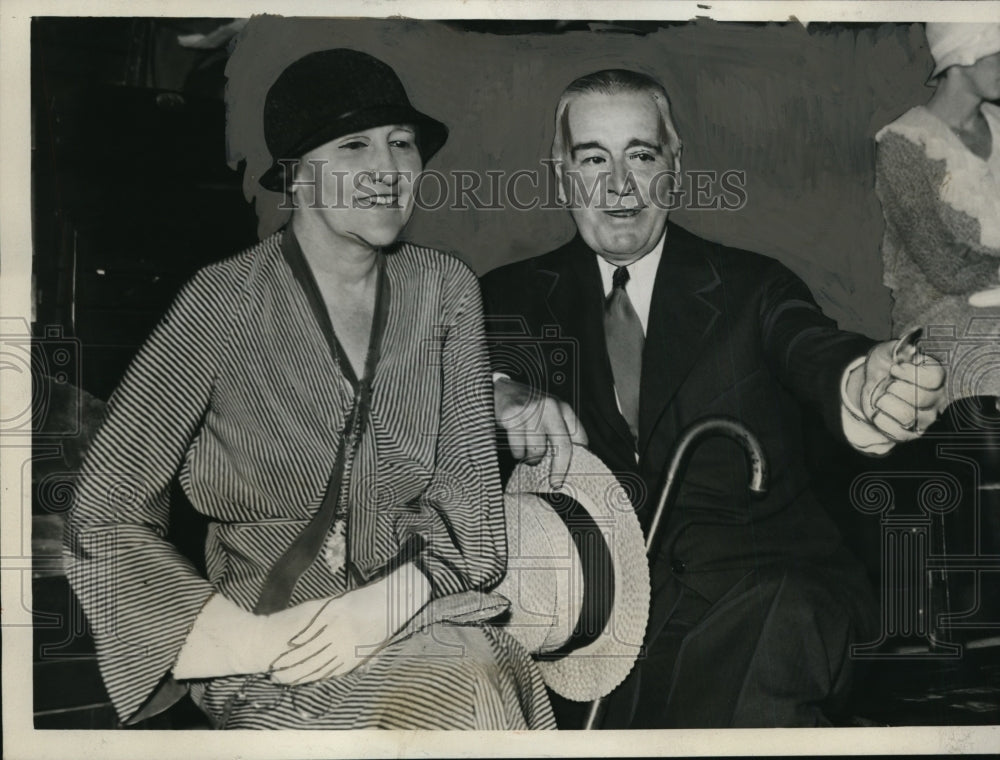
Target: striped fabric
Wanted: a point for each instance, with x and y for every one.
(443, 677)
(238, 395)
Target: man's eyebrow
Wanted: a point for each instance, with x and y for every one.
(633, 143)
(636, 143)
(585, 146)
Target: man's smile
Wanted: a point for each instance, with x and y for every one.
(623, 213)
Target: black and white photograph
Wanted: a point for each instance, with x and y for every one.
(500, 379)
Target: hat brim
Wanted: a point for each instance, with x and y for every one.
(597, 668)
(431, 135)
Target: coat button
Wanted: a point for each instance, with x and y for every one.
(677, 566)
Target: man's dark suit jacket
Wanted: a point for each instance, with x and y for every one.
(730, 333)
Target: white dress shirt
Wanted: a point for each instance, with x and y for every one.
(641, 276)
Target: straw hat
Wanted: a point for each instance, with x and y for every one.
(577, 576)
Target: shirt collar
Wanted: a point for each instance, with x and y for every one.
(642, 269)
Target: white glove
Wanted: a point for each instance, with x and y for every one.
(228, 640)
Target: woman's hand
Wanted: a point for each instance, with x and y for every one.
(985, 298)
(337, 635)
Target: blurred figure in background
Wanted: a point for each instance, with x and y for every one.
(938, 179)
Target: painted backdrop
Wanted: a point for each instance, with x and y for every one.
(794, 108)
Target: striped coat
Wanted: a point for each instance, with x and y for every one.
(238, 394)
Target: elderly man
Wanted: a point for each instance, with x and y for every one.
(755, 603)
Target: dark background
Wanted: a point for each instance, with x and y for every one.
(137, 182)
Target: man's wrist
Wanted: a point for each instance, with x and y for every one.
(851, 384)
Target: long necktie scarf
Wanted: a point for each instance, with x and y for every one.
(625, 339)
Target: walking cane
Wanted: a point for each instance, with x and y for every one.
(693, 434)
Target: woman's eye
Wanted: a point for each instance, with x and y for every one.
(353, 145)
(404, 144)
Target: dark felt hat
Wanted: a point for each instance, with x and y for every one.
(331, 93)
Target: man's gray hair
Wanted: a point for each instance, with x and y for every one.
(614, 82)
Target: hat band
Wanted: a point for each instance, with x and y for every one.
(598, 574)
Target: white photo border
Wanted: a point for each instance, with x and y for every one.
(22, 741)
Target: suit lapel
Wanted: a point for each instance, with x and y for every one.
(685, 308)
(575, 302)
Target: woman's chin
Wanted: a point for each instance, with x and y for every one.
(373, 235)
(380, 227)
(379, 238)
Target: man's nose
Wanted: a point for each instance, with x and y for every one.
(618, 178)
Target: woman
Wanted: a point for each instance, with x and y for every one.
(938, 179)
(324, 400)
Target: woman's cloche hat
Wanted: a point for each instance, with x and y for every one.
(577, 576)
(960, 44)
(330, 93)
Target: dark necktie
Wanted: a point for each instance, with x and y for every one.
(625, 338)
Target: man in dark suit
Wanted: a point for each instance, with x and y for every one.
(755, 603)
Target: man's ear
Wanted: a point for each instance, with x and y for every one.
(677, 160)
(557, 166)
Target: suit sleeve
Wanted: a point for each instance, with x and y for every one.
(803, 347)
(508, 334)
(494, 319)
(139, 593)
(461, 515)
